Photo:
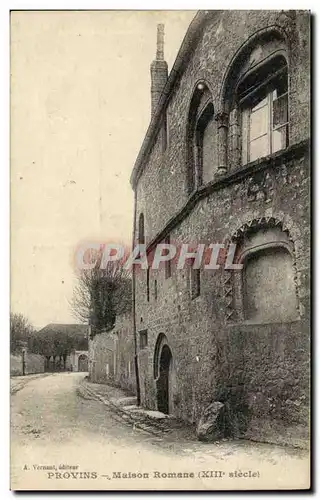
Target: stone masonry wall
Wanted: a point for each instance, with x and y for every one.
(34, 363)
(111, 355)
(261, 370)
(162, 188)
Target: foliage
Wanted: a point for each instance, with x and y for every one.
(20, 331)
(101, 294)
(58, 340)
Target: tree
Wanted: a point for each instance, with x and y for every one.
(58, 341)
(20, 331)
(101, 294)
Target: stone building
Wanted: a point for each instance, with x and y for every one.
(79, 360)
(226, 160)
(111, 355)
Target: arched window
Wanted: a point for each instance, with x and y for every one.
(268, 286)
(205, 141)
(265, 289)
(253, 116)
(141, 235)
(201, 139)
(263, 104)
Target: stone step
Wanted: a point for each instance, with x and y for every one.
(126, 401)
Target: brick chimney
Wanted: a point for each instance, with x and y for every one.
(158, 69)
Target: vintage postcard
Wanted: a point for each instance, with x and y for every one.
(160, 242)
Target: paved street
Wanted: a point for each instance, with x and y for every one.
(62, 441)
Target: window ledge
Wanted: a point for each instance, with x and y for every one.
(196, 298)
(234, 175)
(238, 171)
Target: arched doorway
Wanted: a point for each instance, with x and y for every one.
(83, 363)
(164, 388)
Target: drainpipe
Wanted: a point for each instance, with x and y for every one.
(136, 364)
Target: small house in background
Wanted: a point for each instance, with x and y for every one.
(63, 346)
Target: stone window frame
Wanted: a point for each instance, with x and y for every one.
(240, 116)
(143, 339)
(195, 282)
(233, 280)
(201, 111)
(228, 116)
(155, 284)
(165, 137)
(239, 285)
(206, 114)
(168, 263)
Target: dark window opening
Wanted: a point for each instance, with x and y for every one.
(143, 334)
(201, 137)
(204, 146)
(155, 290)
(168, 269)
(148, 284)
(141, 236)
(165, 133)
(195, 281)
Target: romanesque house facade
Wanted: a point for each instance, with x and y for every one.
(226, 160)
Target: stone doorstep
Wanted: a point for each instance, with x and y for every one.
(124, 402)
(136, 412)
(147, 420)
(157, 415)
(133, 408)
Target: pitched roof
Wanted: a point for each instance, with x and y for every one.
(71, 329)
(77, 331)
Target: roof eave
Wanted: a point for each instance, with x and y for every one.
(186, 49)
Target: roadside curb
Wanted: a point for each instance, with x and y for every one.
(24, 380)
(138, 419)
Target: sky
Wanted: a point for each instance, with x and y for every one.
(80, 107)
